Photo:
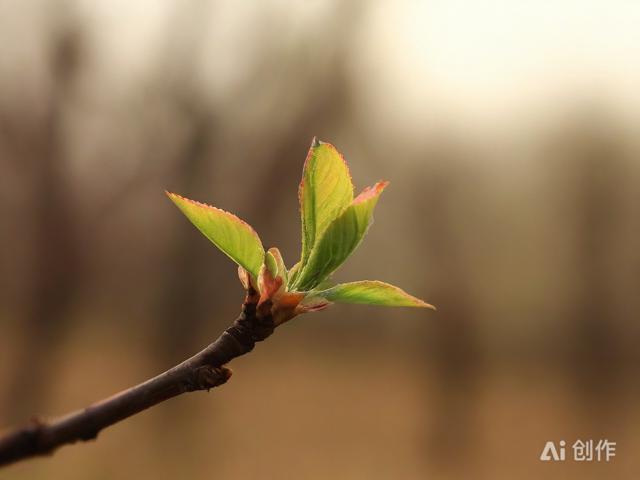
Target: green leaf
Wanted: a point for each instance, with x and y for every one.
(280, 268)
(325, 191)
(293, 274)
(233, 236)
(371, 292)
(340, 239)
(270, 263)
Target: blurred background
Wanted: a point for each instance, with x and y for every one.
(509, 131)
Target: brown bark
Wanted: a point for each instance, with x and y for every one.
(203, 371)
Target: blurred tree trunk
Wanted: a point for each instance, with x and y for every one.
(56, 243)
(451, 349)
(593, 179)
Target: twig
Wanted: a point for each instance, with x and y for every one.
(203, 371)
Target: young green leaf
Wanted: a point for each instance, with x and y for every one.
(280, 267)
(325, 191)
(293, 274)
(270, 263)
(371, 292)
(340, 239)
(233, 236)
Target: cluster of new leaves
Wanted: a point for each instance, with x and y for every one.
(333, 225)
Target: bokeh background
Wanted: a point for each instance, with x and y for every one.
(509, 131)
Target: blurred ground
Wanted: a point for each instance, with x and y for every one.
(510, 136)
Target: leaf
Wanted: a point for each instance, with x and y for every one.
(280, 268)
(270, 263)
(243, 275)
(325, 191)
(268, 285)
(312, 304)
(371, 292)
(293, 274)
(340, 239)
(233, 236)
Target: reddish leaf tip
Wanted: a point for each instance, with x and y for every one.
(370, 192)
(173, 196)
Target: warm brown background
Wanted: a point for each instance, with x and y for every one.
(510, 136)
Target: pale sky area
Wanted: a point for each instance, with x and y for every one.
(495, 59)
(484, 62)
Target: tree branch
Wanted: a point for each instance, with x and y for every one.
(203, 371)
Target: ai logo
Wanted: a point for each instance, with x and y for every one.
(550, 452)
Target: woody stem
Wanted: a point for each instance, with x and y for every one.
(202, 371)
